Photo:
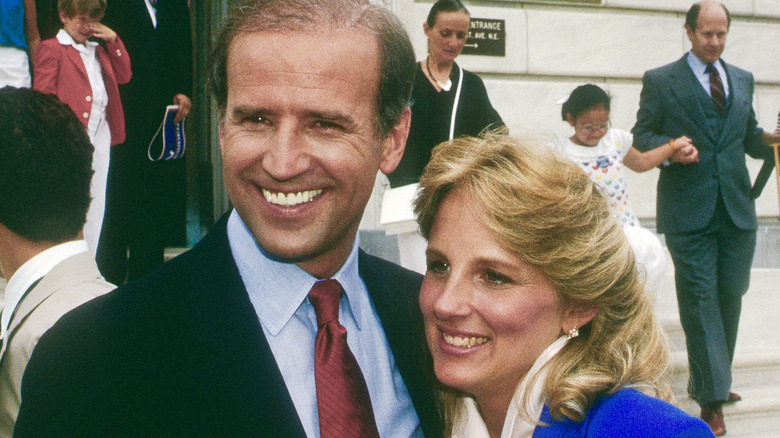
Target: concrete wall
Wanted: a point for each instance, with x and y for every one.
(553, 46)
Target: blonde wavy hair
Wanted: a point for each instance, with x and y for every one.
(547, 211)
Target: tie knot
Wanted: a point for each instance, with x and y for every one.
(324, 297)
(711, 69)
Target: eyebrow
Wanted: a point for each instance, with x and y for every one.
(245, 112)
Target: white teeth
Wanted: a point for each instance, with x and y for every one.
(460, 341)
(291, 199)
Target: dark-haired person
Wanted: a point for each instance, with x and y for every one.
(45, 174)
(705, 209)
(602, 151)
(275, 324)
(447, 101)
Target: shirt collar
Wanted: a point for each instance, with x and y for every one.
(66, 40)
(33, 270)
(698, 66)
(277, 289)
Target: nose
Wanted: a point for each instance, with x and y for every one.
(453, 299)
(286, 157)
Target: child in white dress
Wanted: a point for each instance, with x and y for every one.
(602, 152)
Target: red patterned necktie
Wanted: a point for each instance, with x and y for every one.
(716, 88)
(342, 395)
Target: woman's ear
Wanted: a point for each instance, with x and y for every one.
(576, 318)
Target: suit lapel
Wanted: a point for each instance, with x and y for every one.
(738, 90)
(233, 337)
(395, 299)
(690, 94)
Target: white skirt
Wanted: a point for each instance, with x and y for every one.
(650, 256)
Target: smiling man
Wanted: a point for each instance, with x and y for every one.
(275, 324)
(704, 208)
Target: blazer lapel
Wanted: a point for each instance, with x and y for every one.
(74, 57)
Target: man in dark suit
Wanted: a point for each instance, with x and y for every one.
(223, 341)
(705, 209)
(145, 200)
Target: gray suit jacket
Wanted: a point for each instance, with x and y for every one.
(672, 104)
(70, 283)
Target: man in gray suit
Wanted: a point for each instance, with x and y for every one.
(704, 208)
(45, 173)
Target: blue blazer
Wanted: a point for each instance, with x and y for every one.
(181, 353)
(626, 413)
(672, 104)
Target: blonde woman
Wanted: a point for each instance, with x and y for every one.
(535, 314)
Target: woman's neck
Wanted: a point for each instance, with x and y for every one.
(493, 409)
(438, 71)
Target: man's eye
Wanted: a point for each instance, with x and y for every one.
(255, 120)
(323, 124)
(438, 267)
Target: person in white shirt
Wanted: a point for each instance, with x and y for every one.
(45, 173)
(84, 75)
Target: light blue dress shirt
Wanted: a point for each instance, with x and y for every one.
(699, 68)
(279, 293)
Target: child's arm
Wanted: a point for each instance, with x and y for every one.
(46, 67)
(644, 161)
(117, 54)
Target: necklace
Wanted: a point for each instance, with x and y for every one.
(444, 86)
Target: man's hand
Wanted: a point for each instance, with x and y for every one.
(184, 107)
(684, 151)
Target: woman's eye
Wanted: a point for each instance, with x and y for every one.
(496, 278)
(438, 267)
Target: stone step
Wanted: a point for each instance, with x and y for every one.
(757, 415)
(752, 369)
(756, 367)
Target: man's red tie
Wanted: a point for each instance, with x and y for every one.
(716, 88)
(342, 396)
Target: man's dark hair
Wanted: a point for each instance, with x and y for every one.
(45, 166)
(396, 55)
(692, 17)
(444, 6)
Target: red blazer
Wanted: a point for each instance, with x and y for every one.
(59, 70)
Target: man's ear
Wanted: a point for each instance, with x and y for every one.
(394, 144)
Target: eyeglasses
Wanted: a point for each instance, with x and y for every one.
(588, 128)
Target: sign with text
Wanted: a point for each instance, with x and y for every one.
(487, 37)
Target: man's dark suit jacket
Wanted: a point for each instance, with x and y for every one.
(181, 353)
(672, 105)
(145, 201)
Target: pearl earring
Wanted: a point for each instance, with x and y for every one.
(573, 333)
